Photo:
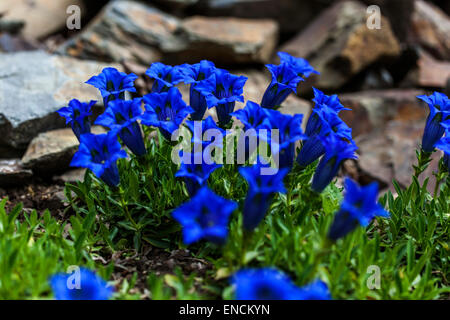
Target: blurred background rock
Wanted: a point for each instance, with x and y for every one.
(378, 73)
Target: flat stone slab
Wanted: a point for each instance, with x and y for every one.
(33, 86)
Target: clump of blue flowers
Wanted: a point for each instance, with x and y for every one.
(89, 286)
(272, 284)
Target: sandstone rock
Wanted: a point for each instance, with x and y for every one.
(374, 108)
(33, 85)
(429, 73)
(13, 173)
(431, 28)
(124, 30)
(52, 151)
(41, 17)
(292, 15)
(340, 45)
(225, 40)
(390, 154)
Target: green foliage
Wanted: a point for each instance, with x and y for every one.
(33, 248)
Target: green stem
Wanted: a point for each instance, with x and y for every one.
(127, 212)
(423, 160)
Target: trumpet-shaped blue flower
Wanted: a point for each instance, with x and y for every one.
(289, 130)
(328, 123)
(262, 189)
(322, 101)
(199, 128)
(444, 145)
(284, 82)
(77, 115)
(205, 216)
(113, 84)
(99, 153)
(196, 171)
(358, 208)
(195, 74)
(439, 105)
(89, 287)
(222, 90)
(272, 284)
(336, 150)
(165, 110)
(121, 116)
(165, 76)
(300, 66)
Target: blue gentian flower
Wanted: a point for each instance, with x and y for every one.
(322, 101)
(165, 76)
(439, 105)
(336, 150)
(328, 123)
(165, 110)
(284, 82)
(77, 115)
(113, 84)
(121, 116)
(299, 65)
(444, 145)
(261, 191)
(198, 129)
(289, 130)
(272, 284)
(205, 216)
(358, 208)
(254, 118)
(195, 173)
(99, 153)
(91, 286)
(195, 74)
(222, 91)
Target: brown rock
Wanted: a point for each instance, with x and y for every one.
(339, 44)
(52, 151)
(431, 28)
(429, 73)
(13, 173)
(41, 17)
(225, 40)
(374, 108)
(124, 30)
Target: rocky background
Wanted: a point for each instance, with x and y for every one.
(378, 73)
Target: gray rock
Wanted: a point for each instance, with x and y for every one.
(33, 85)
(124, 30)
(72, 175)
(51, 152)
(13, 173)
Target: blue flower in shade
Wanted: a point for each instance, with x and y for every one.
(272, 284)
(300, 66)
(77, 115)
(336, 150)
(165, 76)
(91, 286)
(222, 91)
(205, 216)
(261, 191)
(439, 105)
(195, 172)
(284, 82)
(328, 123)
(165, 110)
(121, 116)
(113, 84)
(358, 208)
(195, 74)
(99, 153)
(199, 128)
(444, 145)
(289, 131)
